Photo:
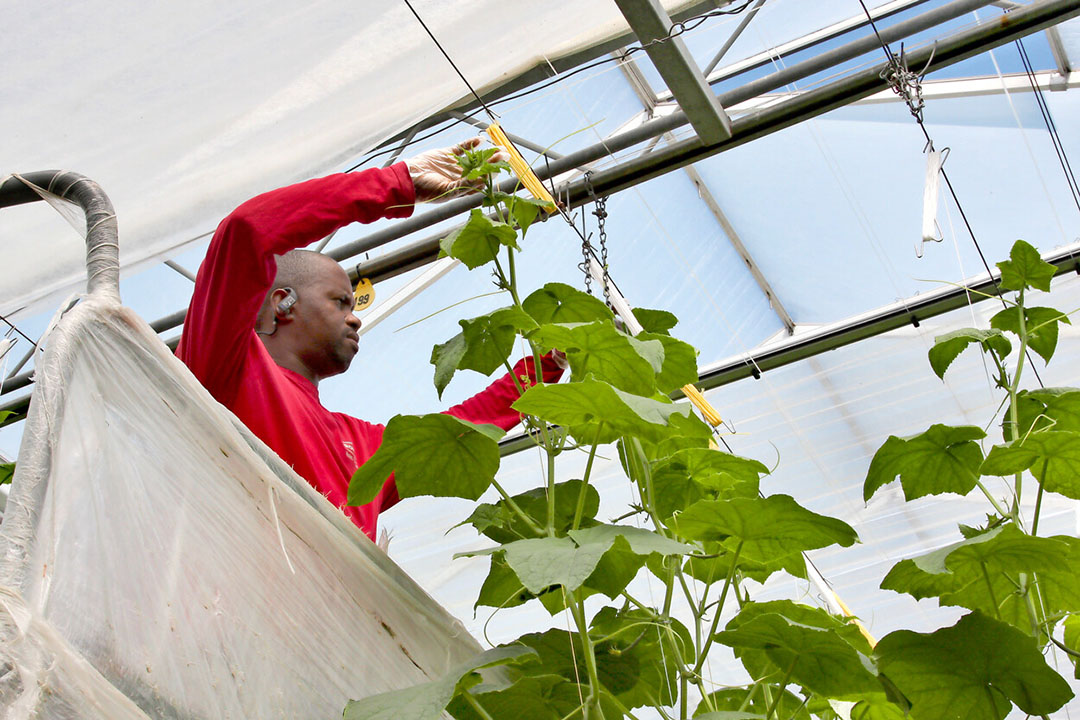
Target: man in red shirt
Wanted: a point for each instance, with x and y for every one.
(262, 331)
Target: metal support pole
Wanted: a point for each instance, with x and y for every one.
(735, 34)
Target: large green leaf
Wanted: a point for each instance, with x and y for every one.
(599, 349)
(883, 710)
(528, 698)
(503, 589)
(430, 455)
(569, 561)
(1052, 456)
(501, 524)
(483, 344)
(766, 528)
(1044, 409)
(724, 473)
(428, 700)
(1041, 324)
(975, 669)
(812, 649)
(948, 346)
(559, 303)
(725, 704)
(680, 362)
(7, 471)
(478, 241)
(489, 339)
(983, 573)
(584, 405)
(1025, 269)
(943, 459)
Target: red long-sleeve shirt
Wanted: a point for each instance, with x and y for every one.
(280, 406)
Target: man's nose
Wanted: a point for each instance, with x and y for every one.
(353, 321)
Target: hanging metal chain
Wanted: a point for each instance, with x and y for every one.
(600, 211)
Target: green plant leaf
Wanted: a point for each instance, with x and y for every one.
(1052, 456)
(975, 669)
(7, 471)
(727, 474)
(943, 459)
(766, 528)
(1041, 324)
(477, 242)
(883, 710)
(446, 358)
(558, 303)
(679, 362)
(715, 569)
(569, 561)
(489, 339)
(541, 697)
(1025, 269)
(983, 573)
(599, 349)
(655, 321)
(730, 700)
(428, 700)
(4, 415)
(503, 589)
(815, 654)
(582, 406)
(433, 454)
(948, 346)
(1045, 409)
(499, 523)
(1071, 638)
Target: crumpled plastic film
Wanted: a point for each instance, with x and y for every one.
(151, 536)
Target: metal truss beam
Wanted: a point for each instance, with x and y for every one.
(672, 59)
(648, 98)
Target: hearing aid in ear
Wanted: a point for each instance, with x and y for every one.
(287, 302)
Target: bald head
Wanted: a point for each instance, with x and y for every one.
(297, 268)
(316, 333)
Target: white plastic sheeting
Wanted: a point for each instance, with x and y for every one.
(156, 558)
(183, 112)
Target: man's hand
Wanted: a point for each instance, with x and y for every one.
(436, 174)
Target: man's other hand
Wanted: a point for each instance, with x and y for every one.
(436, 174)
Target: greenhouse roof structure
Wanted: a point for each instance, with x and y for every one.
(764, 183)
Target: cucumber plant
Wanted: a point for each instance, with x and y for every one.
(699, 524)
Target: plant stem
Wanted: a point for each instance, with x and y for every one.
(476, 705)
(516, 509)
(1038, 504)
(993, 501)
(580, 509)
(1014, 412)
(683, 701)
(577, 609)
(719, 610)
(775, 708)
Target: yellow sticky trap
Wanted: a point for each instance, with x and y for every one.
(364, 295)
(521, 168)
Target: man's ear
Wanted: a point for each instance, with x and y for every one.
(282, 301)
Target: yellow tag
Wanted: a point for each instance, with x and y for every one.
(364, 295)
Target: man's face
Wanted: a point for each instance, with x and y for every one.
(324, 322)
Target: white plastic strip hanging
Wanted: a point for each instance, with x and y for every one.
(931, 231)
